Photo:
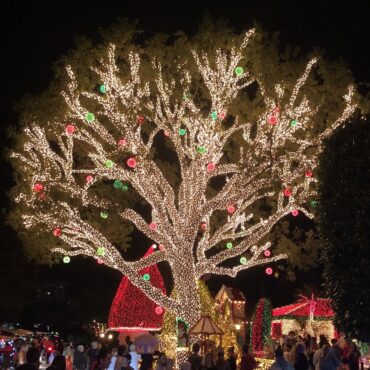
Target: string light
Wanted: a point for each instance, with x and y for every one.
(117, 123)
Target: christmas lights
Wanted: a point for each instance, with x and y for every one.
(261, 324)
(123, 106)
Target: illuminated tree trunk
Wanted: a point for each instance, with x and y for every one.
(186, 291)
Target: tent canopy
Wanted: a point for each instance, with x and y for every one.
(207, 326)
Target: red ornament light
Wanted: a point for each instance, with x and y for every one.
(309, 173)
(267, 253)
(161, 247)
(166, 133)
(122, 142)
(295, 212)
(140, 120)
(42, 196)
(211, 167)
(38, 187)
(230, 209)
(99, 261)
(288, 192)
(159, 310)
(131, 162)
(222, 115)
(269, 271)
(57, 231)
(89, 178)
(153, 225)
(70, 129)
(272, 120)
(203, 226)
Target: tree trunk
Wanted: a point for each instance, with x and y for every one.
(186, 290)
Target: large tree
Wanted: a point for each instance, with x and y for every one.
(213, 139)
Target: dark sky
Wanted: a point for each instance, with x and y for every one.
(36, 33)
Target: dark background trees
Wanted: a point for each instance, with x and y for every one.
(344, 220)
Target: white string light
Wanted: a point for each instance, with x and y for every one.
(199, 138)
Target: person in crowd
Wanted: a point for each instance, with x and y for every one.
(328, 360)
(221, 363)
(68, 353)
(300, 361)
(195, 359)
(22, 353)
(280, 362)
(209, 363)
(59, 363)
(128, 341)
(135, 357)
(146, 361)
(247, 362)
(290, 341)
(126, 359)
(80, 359)
(318, 355)
(92, 355)
(32, 360)
(103, 358)
(121, 351)
(164, 363)
(322, 340)
(311, 352)
(231, 358)
(354, 357)
(113, 359)
(186, 365)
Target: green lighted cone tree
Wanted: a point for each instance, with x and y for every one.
(241, 135)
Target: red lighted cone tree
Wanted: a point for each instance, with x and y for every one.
(131, 308)
(240, 168)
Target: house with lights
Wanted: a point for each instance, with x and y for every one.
(230, 303)
(311, 315)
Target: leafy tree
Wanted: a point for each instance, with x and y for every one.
(344, 224)
(203, 144)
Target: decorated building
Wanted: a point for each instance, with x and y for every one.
(230, 304)
(312, 315)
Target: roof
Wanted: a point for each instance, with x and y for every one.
(234, 294)
(302, 309)
(205, 325)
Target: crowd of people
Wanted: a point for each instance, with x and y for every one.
(291, 352)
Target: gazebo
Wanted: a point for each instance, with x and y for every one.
(204, 328)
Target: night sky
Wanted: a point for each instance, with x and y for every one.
(35, 34)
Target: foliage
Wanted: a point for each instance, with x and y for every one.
(344, 224)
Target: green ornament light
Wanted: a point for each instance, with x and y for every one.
(117, 184)
(182, 132)
(66, 259)
(104, 214)
(90, 117)
(124, 187)
(100, 251)
(108, 163)
(293, 122)
(186, 96)
(239, 71)
(146, 277)
(313, 203)
(201, 149)
(103, 89)
(214, 115)
(229, 245)
(243, 260)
